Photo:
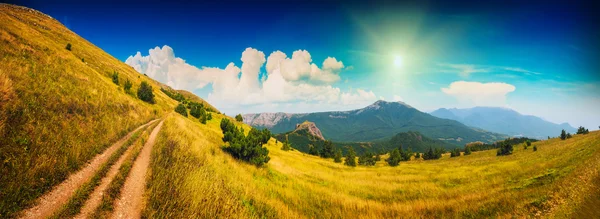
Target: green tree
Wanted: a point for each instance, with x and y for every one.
(286, 146)
(350, 158)
(433, 154)
(312, 150)
(115, 78)
(377, 157)
(535, 148)
(569, 135)
(68, 46)
(455, 153)
(145, 92)
(338, 156)
(239, 118)
(467, 150)
(247, 148)
(582, 130)
(181, 110)
(328, 150)
(394, 158)
(127, 85)
(366, 159)
(506, 148)
(563, 135)
(417, 155)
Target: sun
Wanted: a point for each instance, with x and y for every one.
(397, 61)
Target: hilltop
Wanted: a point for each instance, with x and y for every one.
(378, 121)
(505, 121)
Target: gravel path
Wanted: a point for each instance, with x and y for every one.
(131, 203)
(60, 194)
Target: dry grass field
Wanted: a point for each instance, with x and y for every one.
(58, 108)
(193, 177)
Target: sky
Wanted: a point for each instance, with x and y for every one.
(307, 56)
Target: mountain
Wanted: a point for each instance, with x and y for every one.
(415, 141)
(379, 121)
(505, 121)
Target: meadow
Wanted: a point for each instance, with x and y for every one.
(58, 107)
(193, 177)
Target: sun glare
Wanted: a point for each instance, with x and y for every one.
(397, 61)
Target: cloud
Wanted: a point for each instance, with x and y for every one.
(527, 72)
(464, 70)
(288, 80)
(397, 98)
(479, 94)
(162, 65)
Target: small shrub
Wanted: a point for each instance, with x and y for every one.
(68, 46)
(535, 148)
(145, 92)
(563, 135)
(338, 156)
(115, 78)
(247, 148)
(286, 146)
(127, 85)
(366, 159)
(239, 118)
(467, 150)
(377, 157)
(582, 130)
(455, 153)
(350, 158)
(181, 110)
(394, 158)
(417, 155)
(505, 149)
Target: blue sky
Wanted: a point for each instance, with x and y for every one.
(539, 59)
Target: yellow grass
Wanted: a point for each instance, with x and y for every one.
(57, 111)
(193, 177)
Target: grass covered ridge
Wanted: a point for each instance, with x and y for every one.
(58, 108)
(193, 177)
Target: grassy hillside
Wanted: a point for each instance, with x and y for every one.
(58, 107)
(192, 177)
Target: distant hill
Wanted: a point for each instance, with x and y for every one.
(505, 121)
(379, 121)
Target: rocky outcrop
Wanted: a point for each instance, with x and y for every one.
(311, 128)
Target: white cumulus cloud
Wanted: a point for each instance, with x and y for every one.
(479, 94)
(294, 79)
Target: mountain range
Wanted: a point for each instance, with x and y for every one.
(376, 122)
(505, 121)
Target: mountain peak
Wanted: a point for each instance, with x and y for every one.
(381, 103)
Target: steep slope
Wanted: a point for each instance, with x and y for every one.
(378, 121)
(505, 121)
(59, 107)
(311, 129)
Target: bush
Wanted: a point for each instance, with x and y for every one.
(247, 148)
(563, 135)
(582, 130)
(366, 159)
(127, 85)
(328, 150)
(181, 110)
(394, 158)
(312, 150)
(145, 92)
(417, 155)
(286, 146)
(239, 118)
(535, 148)
(467, 150)
(455, 153)
(528, 142)
(433, 154)
(338, 156)
(350, 158)
(115, 78)
(68, 46)
(505, 149)
(377, 157)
